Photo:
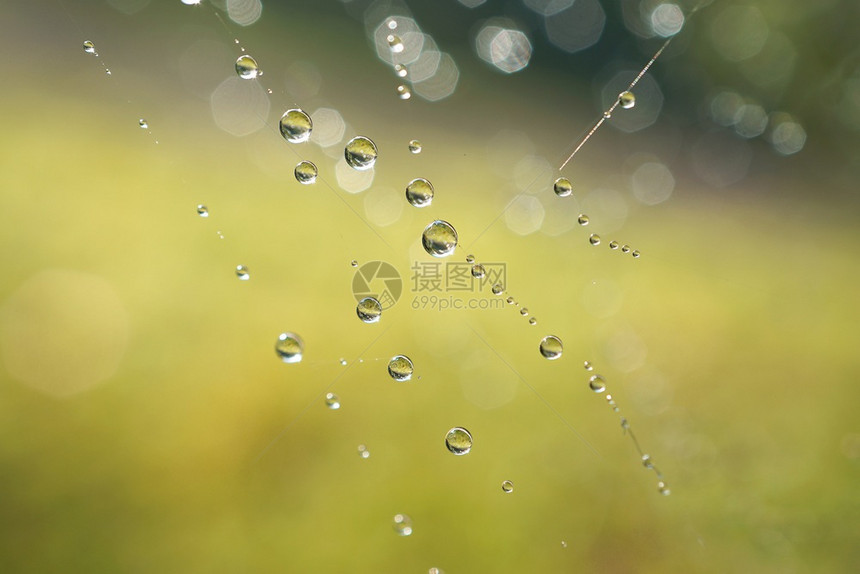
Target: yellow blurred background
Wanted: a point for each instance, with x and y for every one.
(147, 424)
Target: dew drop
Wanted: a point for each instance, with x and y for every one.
(597, 383)
(332, 401)
(142, 123)
(563, 544)
(613, 244)
(470, 258)
(594, 239)
(402, 524)
(439, 239)
(342, 362)
(360, 153)
(625, 424)
(296, 126)
(607, 115)
(587, 365)
(663, 489)
(458, 441)
(289, 347)
(562, 187)
(392, 24)
(435, 571)
(400, 368)
(532, 321)
(363, 452)
(625, 249)
(242, 273)
(369, 310)
(403, 92)
(582, 219)
(246, 67)
(507, 486)
(353, 263)
(419, 192)
(90, 48)
(524, 312)
(627, 100)
(202, 210)
(635, 253)
(551, 347)
(306, 172)
(511, 301)
(395, 43)
(646, 461)
(401, 70)
(498, 289)
(478, 271)
(107, 71)
(415, 146)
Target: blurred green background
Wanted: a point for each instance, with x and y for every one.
(146, 423)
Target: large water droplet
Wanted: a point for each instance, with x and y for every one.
(242, 273)
(202, 210)
(415, 146)
(439, 239)
(459, 441)
(402, 524)
(306, 172)
(332, 401)
(90, 48)
(562, 187)
(369, 310)
(296, 126)
(419, 192)
(360, 153)
(507, 487)
(289, 347)
(551, 347)
(627, 100)
(246, 67)
(400, 368)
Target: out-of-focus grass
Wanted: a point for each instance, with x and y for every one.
(743, 303)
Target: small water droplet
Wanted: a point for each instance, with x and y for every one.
(360, 153)
(507, 486)
(459, 441)
(627, 100)
(369, 310)
(636, 253)
(402, 524)
(551, 347)
(470, 258)
(90, 48)
(625, 249)
(306, 172)
(478, 271)
(332, 401)
(625, 424)
(415, 146)
(392, 24)
(107, 71)
(498, 289)
(594, 239)
(663, 489)
(400, 368)
(401, 70)
(532, 321)
(435, 571)
(439, 238)
(142, 123)
(524, 312)
(562, 187)
(582, 219)
(342, 362)
(588, 366)
(363, 452)
(269, 90)
(219, 234)
(597, 383)
(419, 192)
(404, 92)
(242, 273)
(646, 461)
(296, 126)
(511, 301)
(353, 263)
(289, 347)
(613, 244)
(563, 544)
(202, 210)
(246, 67)
(395, 43)
(607, 115)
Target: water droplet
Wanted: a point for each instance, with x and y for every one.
(395, 43)
(646, 461)
(635, 253)
(627, 100)
(342, 362)
(551, 347)
(219, 234)
(415, 146)
(439, 239)
(242, 273)
(107, 71)
(511, 301)
(296, 126)
(498, 289)
(400, 368)
(532, 321)
(392, 24)
(142, 123)
(402, 524)
(268, 90)
(435, 571)
(587, 365)
(289, 347)
(563, 544)
(562, 187)
(663, 489)
(306, 172)
(369, 310)
(478, 271)
(607, 115)
(597, 383)
(613, 244)
(360, 153)
(470, 258)
(524, 312)
(202, 210)
(90, 48)
(459, 441)
(331, 401)
(594, 239)
(353, 263)
(246, 67)
(363, 452)
(403, 92)
(582, 219)
(625, 249)
(401, 70)
(507, 487)
(419, 192)
(625, 424)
